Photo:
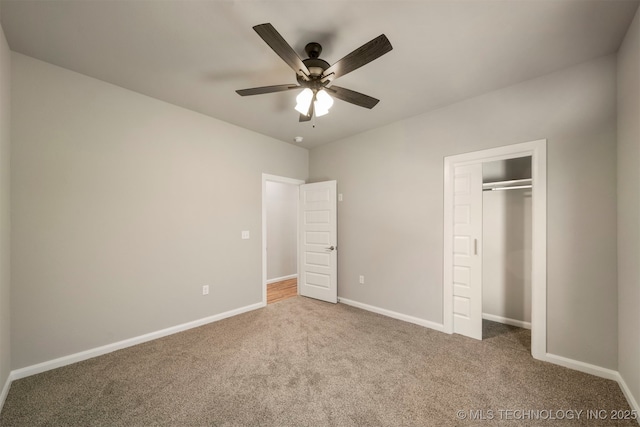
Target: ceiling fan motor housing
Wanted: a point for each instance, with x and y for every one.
(315, 65)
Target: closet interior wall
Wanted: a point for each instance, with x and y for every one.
(506, 229)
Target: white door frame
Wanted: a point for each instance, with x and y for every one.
(538, 152)
(283, 180)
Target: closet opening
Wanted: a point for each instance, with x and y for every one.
(520, 168)
(506, 250)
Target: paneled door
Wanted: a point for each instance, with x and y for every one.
(318, 241)
(467, 260)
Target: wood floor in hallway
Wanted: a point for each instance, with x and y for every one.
(279, 291)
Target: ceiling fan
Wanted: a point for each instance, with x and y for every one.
(315, 75)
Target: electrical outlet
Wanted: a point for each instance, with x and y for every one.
(205, 290)
(361, 280)
(245, 234)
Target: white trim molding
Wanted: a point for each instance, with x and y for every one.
(576, 365)
(280, 279)
(99, 351)
(393, 314)
(507, 321)
(598, 371)
(538, 152)
(5, 391)
(88, 354)
(627, 394)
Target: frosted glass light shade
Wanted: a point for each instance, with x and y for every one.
(304, 101)
(323, 103)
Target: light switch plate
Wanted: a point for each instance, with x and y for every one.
(245, 234)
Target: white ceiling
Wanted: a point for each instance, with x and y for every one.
(196, 53)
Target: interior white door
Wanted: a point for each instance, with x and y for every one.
(467, 260)
(318, 241)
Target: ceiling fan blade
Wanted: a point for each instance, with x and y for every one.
(282, 48)
(265, 89)
(352, 96)
(309, 115)
(359, 57)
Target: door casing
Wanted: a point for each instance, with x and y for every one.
(538, 152)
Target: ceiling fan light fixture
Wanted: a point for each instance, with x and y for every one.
(303, 100)
(314, 73)
(323, 103)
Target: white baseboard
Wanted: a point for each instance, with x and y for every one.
(598, 371)
(98, 351)
(404, 317)
(627, 393)
(587, 368)
(88, 354)
(5, 391)
(506, 321)
(280, 279)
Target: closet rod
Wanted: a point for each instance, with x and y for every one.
(515, 187)
(507, 185)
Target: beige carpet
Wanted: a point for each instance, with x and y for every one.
(301, 362)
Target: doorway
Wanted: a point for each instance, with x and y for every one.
(280, 211)
(317, 244)
(463, 240)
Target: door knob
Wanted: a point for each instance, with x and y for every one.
(331, 248)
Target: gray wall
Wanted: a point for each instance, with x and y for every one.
(629, 208)
(5, 276)
(506, 254)
(282, 229)
(123, 207)
(390, 223)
